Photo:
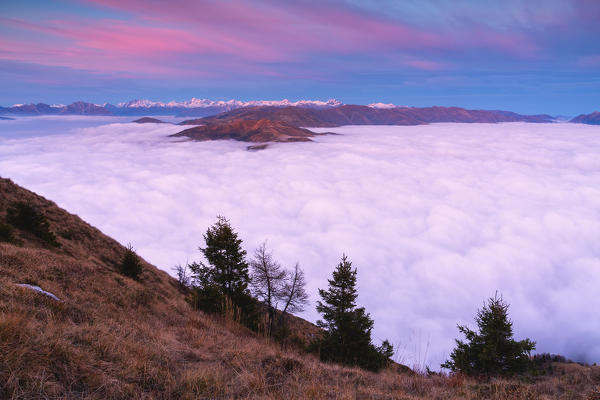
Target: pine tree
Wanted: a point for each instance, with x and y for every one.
(492, 351)
(130, 264)
(348, 328)
(227, 268)
(221, 286)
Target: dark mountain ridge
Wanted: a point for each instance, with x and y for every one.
(365, 115)
(148, 120)
(258, 131)
(76, 108)
(309, 114)
(590, 119)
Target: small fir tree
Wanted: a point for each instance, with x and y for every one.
(347, 339)
(492, 350)
(25, 216)
(130, 264)
(222, 283)
(227, 267)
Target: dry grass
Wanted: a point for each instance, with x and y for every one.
(115, 338)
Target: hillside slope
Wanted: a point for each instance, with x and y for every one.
(110, 337)
(365, 115)
(249, 131)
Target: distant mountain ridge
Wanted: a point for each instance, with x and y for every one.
(590, 119)
(76, 108)
(298, 113)
(191, 108)
(366, 115)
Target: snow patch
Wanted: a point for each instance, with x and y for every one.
(39, 290)
(231, 104)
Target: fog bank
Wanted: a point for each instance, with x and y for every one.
(436, 218)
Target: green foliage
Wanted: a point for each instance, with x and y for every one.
(130, 264)
(227, 267)
(347, 339)
(221, 287)
(491, 351)
(24, 216)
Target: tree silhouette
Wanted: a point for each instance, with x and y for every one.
(347, 339)
(276, 287)
(492, 350)
(130, 264)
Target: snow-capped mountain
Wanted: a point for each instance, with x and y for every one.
(224, 105)
(205, 103)
(204, 107)
(190, 108)
(384, 105)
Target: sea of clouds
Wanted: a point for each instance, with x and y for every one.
(436, 218)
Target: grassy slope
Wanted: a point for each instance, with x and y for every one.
(112, 337)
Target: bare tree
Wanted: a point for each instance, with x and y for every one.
(276, 287)
(294, 292)
(267, 280)
(183, 276)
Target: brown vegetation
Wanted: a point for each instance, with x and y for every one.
(112, 337)
(364, 115)
(148, 120)
(262, 130)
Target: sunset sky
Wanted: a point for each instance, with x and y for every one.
(524, 56)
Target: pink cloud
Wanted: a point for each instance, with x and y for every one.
(209, 37)
(589, 61)
(425, 65)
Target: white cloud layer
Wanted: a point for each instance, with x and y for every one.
(436, 218)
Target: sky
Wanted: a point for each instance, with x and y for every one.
(436, 218)
(534, 56)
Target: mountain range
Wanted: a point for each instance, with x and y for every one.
(311, 112)
(366, 115)
(191, 108)
(286, 124)
(590, 119)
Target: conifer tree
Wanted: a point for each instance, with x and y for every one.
(221, 285)
(130, 264)
(227, 269)
(492, 350)
(348, 328)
